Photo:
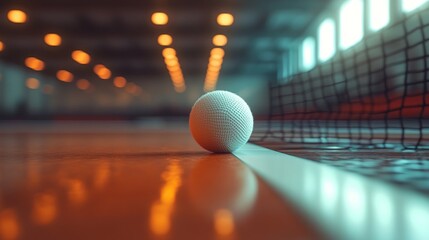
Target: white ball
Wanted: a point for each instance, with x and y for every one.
(221, 121)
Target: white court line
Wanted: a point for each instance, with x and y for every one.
(346, 205)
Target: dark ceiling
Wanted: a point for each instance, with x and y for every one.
(120, 35)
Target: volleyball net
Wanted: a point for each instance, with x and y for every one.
(372, 95)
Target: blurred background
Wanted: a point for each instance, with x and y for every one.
(127, 59)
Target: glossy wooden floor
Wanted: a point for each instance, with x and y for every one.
(118, 181)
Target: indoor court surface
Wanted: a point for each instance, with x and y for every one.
(119, 181)
(214, 120)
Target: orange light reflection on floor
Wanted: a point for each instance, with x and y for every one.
(102, 175)
(44, 208)
(9, 226)
(76, 192)
(161, 210)
(223, 222)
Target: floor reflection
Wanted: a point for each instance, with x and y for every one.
(45, 208)
(221, 183)
(224, 224)
(151, 185)
(102, 174)
(162, 209)
(76, 191)
(347, 205)
(9, 225)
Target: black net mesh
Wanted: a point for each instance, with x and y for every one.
(374, 95)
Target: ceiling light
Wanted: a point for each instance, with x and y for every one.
(169, 53)
(212, 68)
(34, 63)
(159, 18)
(215, 61)
(220, 40)
(217, 53)
(32, 83)
(165, 40)
(81, 57)
(53, 39)
(180, 89)
(171, 62)
(65, 76)
(102, 71)
(17, 16)
(132, 88)
(98, 67)
(120, 82)
(225, 19)
(1, 46)
(83, 84)
(48, 89)
(174, 68)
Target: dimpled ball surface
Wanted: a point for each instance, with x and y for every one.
(221, 121)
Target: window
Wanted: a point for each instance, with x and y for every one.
(379, 14)
(308, 50)
(326, 40)
(284, 66)
(410, 5)
(351, 23)
(293, 61)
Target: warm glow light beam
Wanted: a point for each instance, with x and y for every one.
(172, 63)
(213, 69)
